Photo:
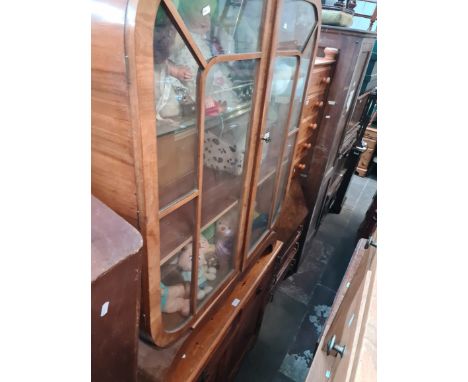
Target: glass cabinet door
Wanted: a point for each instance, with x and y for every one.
(202, 144)
(272, 145)
(208, 77)
(296, 31)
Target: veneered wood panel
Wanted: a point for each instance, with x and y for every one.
(112, 173)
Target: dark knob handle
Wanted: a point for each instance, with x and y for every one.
(333, 346)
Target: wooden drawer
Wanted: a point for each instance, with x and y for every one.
(371, 133)
(320, 79)
(363, 163)
(367, 155)
(371, 143)
(307, 129)
(303, 147)
(313, 105)
(345, 329)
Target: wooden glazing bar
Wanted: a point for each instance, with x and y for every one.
(179, 203)
(233, 57)
(201, 78)
(184, 32)
(251, 145)
(311, 33)
(139, 28)
(287, 53)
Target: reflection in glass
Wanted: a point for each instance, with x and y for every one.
(284, 173)
(301, 81)
(279, 101)
(176, 112)
(298, 18)
(223, 26)
(176, 235)
(228, 105)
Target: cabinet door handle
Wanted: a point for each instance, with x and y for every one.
(266, 137)
(333, 346)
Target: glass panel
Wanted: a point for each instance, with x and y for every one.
(228, 104)
(176, 233)
(279, 103)
(301, 82)
(176, 114)
(284, 174)
(365, 8)
(298, 18)
(223, 26)
(176, 229)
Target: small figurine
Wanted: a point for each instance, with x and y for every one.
(173, 301)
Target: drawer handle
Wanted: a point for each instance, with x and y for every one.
(313, 126)
(326, 80)
(319, 103)
(301, 166)
(333, 346)
(307, 145)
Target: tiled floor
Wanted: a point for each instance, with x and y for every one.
(294, 320)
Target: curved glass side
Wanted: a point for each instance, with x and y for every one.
(175, 90)
(298, 19)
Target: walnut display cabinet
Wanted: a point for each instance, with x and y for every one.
(196, 109)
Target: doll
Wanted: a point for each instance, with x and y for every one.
(172, 299)
(224, 237)
(170, 79)
(185, 265)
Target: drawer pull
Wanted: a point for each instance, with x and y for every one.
(333, 346)
(307, 145)
(313, 126)
(326, 80)
(301, 166)
(319, 103)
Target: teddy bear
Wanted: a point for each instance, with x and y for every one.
(185, 265)
(173, 301)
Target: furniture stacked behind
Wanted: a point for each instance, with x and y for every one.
(331, 165)
(370, 138)
(115, 295)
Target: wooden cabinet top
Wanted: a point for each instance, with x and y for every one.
(112, 239)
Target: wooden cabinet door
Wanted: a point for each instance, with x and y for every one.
(338, 353)
(294, 43)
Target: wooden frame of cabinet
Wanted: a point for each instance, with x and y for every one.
(124, 140)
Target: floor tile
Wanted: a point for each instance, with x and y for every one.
(295, 318)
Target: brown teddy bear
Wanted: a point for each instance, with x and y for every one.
(173, 299)
(204, 273)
